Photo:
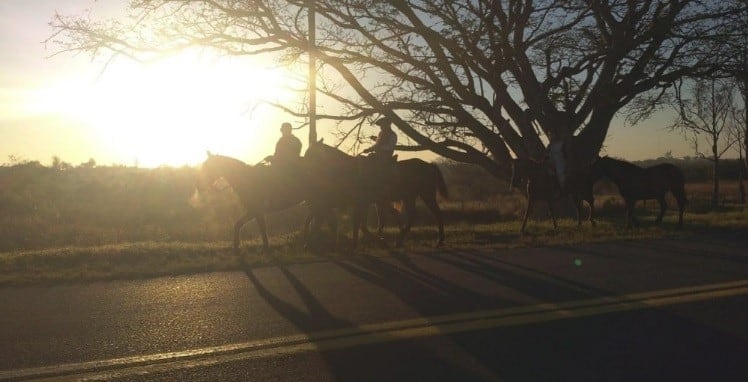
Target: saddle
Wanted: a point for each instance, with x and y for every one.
(378, 173)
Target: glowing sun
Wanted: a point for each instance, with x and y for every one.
(169, 112)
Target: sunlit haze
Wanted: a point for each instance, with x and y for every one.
(171, 111)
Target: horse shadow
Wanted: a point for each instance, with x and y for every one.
(427, 284)
(403, 277)
(321, 326)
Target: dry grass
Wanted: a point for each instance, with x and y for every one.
(157, 236)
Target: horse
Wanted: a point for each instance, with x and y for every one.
(341, 180)
(543, 184)
(637, 183)
(256, 186)
(415, 178)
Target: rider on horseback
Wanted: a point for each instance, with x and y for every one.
(287, 149)
(285, 163)
(382, 153)
(558, 155)
(385, 141)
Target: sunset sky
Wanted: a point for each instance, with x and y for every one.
(170, 112)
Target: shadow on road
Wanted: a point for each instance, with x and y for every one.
(642, 344)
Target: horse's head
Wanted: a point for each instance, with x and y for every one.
(208, 171)
(321, 155)
(205, 178)
(314, 150)
(217, 167)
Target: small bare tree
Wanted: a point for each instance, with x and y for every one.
(704, 108)
(733, 63)
(738, 133)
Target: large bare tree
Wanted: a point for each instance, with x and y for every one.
(476, 81)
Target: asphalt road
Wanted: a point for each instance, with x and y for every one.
(626, 311)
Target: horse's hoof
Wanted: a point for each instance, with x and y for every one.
(440, 244)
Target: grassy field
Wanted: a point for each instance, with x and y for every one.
(88, 223)
(488, 224)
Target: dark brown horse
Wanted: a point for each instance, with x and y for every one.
(342, 180)
(415, 178)
(637, 183)
(257, 187)
(542, 184)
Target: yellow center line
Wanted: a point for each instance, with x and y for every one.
(376, 333)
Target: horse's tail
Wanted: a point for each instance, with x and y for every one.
(441, 185)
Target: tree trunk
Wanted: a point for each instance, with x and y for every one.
(311, 20)
(587, 144)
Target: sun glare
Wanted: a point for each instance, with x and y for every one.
(171, 111)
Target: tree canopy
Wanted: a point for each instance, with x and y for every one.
(476, 81)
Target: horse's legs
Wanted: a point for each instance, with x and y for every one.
(358, 211)
(578, 205)
(409, 208)
(383, 207)
(263, 231)
(663, 208)
(591, 217)
(588, 195)
(630, 205)
(237, 229)
(307, 223)
(365, 220)
(312, 223)
(433, 206)
(332, 222)
(527, 213)
(550, 209)
(399, 218)
(680, 195)
(380, 208)
(681, 208)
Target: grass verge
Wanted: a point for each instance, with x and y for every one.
(153, 259)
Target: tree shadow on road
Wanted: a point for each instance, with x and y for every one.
(456, 281)
(324, 330)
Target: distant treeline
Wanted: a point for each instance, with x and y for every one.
(62, 205)
(47, 206)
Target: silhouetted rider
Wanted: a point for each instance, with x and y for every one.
(287, 149)
(382, 151)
